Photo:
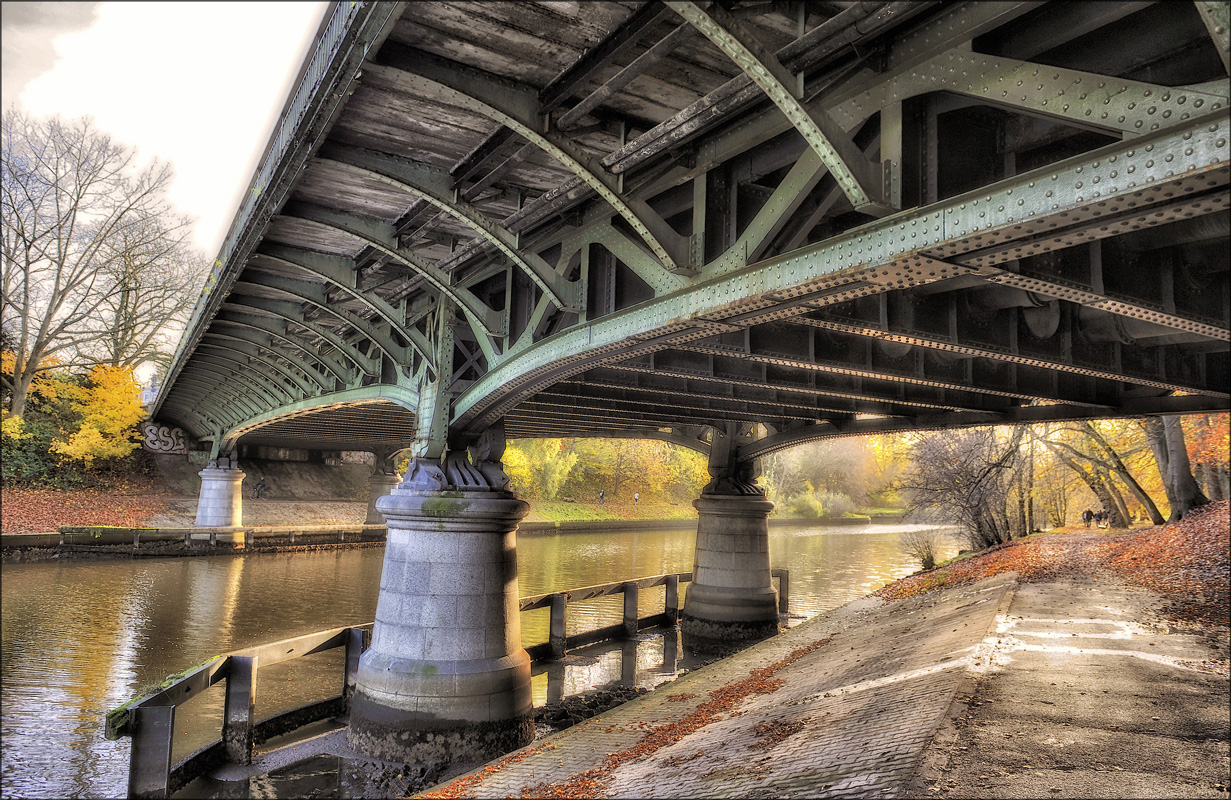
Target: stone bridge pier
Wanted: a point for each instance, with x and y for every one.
(222, 496)
(383, 481)
(446, 676)
(731, 597)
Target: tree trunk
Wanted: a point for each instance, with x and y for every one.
(1187, 493)
(1157, 439)
(1156, 516)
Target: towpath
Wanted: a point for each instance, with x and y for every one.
(1060, 688)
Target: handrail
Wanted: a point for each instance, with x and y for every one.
(150, 719)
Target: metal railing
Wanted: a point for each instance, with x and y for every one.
(150, 720)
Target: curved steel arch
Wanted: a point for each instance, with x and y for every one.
(436, 188)
(395, 351)
(236, 345)
(272, 394)
(361, 364)
(516, 111)
(304, 379)
(483, 319)
(401, 395)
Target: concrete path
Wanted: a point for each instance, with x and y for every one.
(1084, 700)
(843, 705)
(991, 690)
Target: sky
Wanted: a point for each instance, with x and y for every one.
(198, 85)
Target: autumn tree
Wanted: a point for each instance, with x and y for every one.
(1167, 440)
(1209, 438)
(110, 410)
(94, 266)
(537, 468)
(1096, 455)
(967, 476)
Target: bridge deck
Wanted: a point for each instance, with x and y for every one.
(656, 219)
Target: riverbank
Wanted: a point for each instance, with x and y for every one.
(1084, 664)
(46, 511)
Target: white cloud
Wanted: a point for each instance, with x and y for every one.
(196, 84)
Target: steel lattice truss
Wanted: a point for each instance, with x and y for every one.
(627, 219)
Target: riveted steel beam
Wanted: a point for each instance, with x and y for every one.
(1215, 13)
(916, 339)
(236, 314)
(884, 255)
(378, 393)
(485, 321)
(436, 188)
(364, 364)
(395, 319)
(1083, 99)
(840, 400)
(1189, 404)
(860, 182)
(234, 347)
(520, 113)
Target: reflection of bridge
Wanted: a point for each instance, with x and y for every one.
(736, 227)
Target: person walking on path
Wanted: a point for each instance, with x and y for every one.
(1086, 517)
(602, 493)
(636, 497)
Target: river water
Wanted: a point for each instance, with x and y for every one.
(80, 638)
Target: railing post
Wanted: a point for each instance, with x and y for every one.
(557, 632)
(356, 642)
(630, 609)
(188, 536)
(136, 539)
(784, 589)
(213, 537)
(671, 598)
(149, 766)
(239, 716)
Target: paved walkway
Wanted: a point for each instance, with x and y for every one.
(843, 705)
(992, 690)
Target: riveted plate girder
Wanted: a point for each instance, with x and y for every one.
(503, 105)
(1082, 99)
(236, 314)
(436, 186)
(886, 254)
(859, 182)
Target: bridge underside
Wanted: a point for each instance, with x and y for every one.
(615, 218)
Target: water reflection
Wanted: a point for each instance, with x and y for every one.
(81, 638)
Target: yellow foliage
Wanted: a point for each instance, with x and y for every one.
(110, 410)
(12, 428)
(46, 385)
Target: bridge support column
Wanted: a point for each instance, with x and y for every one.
(381, 484)
(731, 597)
(446, 676)
(222, 497)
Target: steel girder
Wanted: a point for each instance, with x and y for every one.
(628, 250)
(890, 254)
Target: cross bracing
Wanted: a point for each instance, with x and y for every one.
(638, 219)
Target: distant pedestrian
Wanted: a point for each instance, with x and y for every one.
(602, 494)
(636, 497)
(258, 491)
(1087, 517)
